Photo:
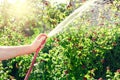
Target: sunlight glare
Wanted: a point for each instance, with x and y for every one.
(19, 8)
(11, 1)
(14, 1)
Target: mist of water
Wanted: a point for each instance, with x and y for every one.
(77, 13)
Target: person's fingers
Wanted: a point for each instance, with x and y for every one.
(42, 42)
(41, 36)
(42, 39)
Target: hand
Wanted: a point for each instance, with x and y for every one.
(38, 42)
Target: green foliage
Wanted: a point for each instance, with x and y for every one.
(79, 54)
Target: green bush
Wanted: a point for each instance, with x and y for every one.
(76, 54)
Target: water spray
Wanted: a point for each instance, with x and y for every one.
(77, 13)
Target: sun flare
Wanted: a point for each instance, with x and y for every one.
(11, 1)
(14, 1)
(21, 8)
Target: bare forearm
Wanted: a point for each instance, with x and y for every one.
(7, 52)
